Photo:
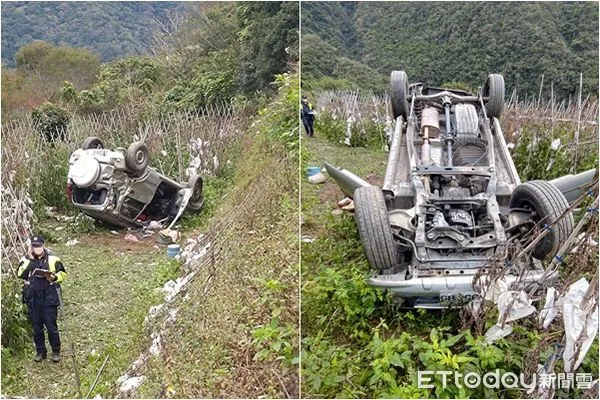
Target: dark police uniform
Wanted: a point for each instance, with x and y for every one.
(42, 298)
(308, 117)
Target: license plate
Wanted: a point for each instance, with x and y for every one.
(458, 297)
(99, 152)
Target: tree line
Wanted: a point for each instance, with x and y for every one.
(439, 42)
(211, 54)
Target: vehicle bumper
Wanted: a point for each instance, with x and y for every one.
(102, 213)
(437, 286)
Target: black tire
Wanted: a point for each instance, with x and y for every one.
(92, 143)
(549, 204)
(494, 90)
(399, 93)
(374, 228)
(197, 200)
(137, 158)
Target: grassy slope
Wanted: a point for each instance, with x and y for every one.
(236, 333)
(108, 291)
(212, 348)
(319, 200)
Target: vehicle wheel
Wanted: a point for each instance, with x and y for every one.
(549, 204)
(399, 88)
(197, 200)
(137, 158)
(92, 143)
(494, 90)
(374, 228)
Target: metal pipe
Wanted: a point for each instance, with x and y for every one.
(569, 184)
(394, 156)
(346, 180)
(449, 135)
(446, 93)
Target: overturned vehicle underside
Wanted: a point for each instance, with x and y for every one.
(119, 188)
(452, 205)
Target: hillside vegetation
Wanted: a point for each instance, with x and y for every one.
(109, 29)
(217, 53)
(356, 45)
(232, 324)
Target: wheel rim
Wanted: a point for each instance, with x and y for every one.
(140, 157)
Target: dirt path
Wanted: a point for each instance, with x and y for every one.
(110, 286)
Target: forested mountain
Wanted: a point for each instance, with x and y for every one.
(110, 29)
(211, 53)
(440, 42)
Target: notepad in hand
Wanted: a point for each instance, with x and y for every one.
(42, 273)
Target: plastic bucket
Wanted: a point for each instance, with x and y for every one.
(173, 250)
(313, 171)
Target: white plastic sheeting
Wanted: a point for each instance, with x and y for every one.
(128, 384)
(512, 305)
(497, 332)
(550, 309)
(581, 324)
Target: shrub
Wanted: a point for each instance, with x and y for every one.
(51, 121)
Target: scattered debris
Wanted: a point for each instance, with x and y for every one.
(344, 202)
(307, 239)
(349, 207)
(550, 309)
(514, 305)
(310, 171)
(131, 238)
(584, 239)
(497, 332)
(317, 178)
(172, 288)
(580, 316)
(114, 232)
(155, 225)
(173, 251)
(555, 145)
(168, 236)
(129, 384)
(53, 214)
(72, 242)
(156, 346)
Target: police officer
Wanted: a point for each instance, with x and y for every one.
(307, 114)
(42, 273)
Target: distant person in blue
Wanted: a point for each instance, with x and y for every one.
(308, 116)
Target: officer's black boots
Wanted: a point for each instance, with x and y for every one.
(55, 357)
(39, 357)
